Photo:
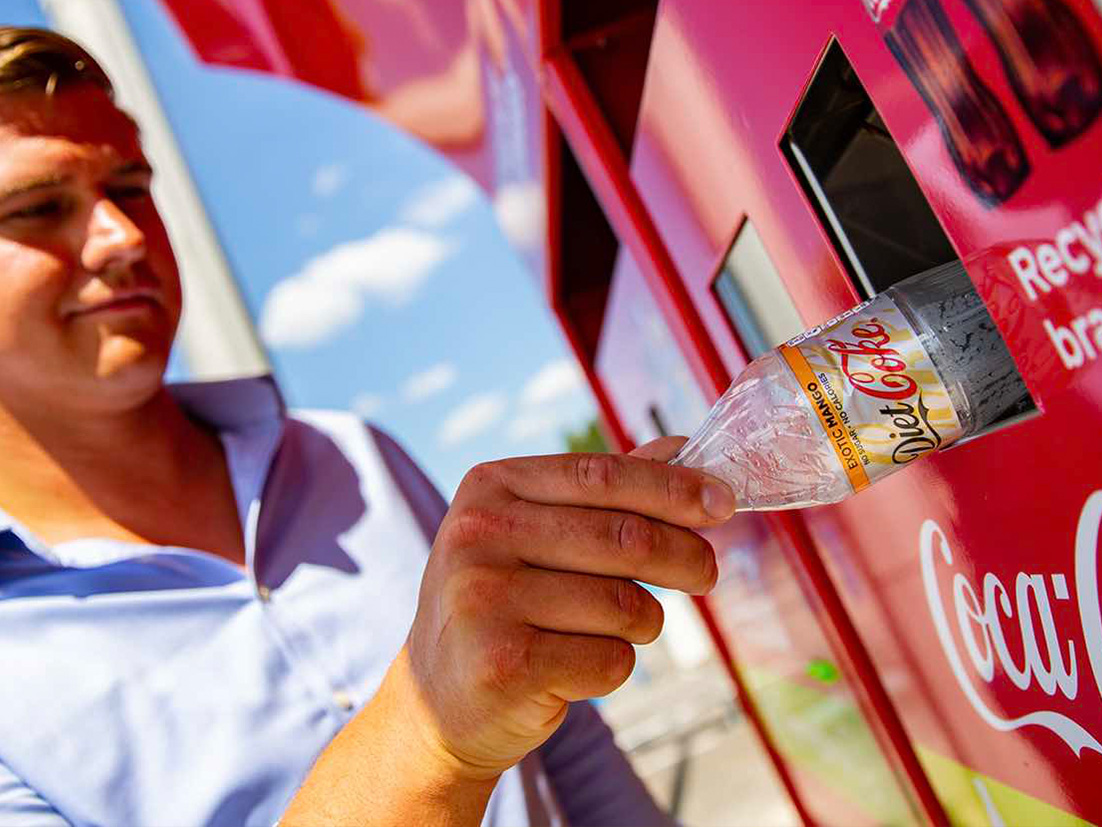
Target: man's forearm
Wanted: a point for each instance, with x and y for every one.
(379, 771)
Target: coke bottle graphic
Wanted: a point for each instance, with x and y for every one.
(845, 404)
(1049, 60)
(977, 131)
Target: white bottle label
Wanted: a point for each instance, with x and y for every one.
(874, 390)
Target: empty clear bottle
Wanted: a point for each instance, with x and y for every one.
(902, 375)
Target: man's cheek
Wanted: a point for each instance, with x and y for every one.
(15, 326)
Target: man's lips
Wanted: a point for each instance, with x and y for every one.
(120, 304)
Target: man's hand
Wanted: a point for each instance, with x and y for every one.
(528, 601)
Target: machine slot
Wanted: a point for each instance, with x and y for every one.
(753, 297)
(859, 183)
(866, 197)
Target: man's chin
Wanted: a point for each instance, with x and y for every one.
(131, 367)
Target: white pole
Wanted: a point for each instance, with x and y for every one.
(217, 337)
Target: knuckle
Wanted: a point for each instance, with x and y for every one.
(507, 661)
(597, 473)
(629, 601)
(473, 591)
(634, 536)
(472, 526)
(681, 488)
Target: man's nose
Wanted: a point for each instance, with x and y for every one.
(113, 240)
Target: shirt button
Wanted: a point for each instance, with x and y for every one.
(343, 700)
(264, 593)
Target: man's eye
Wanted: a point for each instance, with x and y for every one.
(43, 209)
(129, 193)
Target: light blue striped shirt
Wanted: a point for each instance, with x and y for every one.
(147, 685)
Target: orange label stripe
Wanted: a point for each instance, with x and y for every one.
(829, 417)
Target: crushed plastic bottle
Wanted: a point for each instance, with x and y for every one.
(908, 372)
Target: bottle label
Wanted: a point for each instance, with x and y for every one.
(874, 390)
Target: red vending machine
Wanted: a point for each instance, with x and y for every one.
(695, 181)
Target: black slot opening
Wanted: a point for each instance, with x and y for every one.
(853, 172)
(588, 249)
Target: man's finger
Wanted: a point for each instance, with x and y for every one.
(585, 605)
(662, 449)
(578, 667)
(605, 543)
(676, 495)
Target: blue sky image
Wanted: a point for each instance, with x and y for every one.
(443, 339)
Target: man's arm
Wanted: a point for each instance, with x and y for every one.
(384, 768)
(20, 806)
(528, 602)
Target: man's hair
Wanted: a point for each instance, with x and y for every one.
(45, 60)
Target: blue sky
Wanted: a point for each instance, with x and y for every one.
(378, 276)
(21, 13)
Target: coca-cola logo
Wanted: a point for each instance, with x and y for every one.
(870, 365)
(984, 618)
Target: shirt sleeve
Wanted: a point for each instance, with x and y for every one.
(20, 806)
(592, 779)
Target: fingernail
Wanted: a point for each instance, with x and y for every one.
(718, 500)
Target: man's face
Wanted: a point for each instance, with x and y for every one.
(89, 290)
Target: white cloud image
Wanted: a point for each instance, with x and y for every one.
(299, 313)
(555, 380)
(532, 424)
(430, 382)
(329, 293)
(522, 214)
(473, 417)
(328, 180)
(367, 405)
(391, 265)
(440, 202)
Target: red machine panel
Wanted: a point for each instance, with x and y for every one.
(972, 579)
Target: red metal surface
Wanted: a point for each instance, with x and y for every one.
(459, 76)
(600, 157)
(597, 152)
(602, 160)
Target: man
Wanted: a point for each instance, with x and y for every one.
(199, 593)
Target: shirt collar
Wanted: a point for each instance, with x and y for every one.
(247, 413)
(231, 404)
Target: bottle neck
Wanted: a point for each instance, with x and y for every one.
(963, 343)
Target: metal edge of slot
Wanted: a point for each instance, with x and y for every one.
(1002, 424)
(832, 219)
(217, 335)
